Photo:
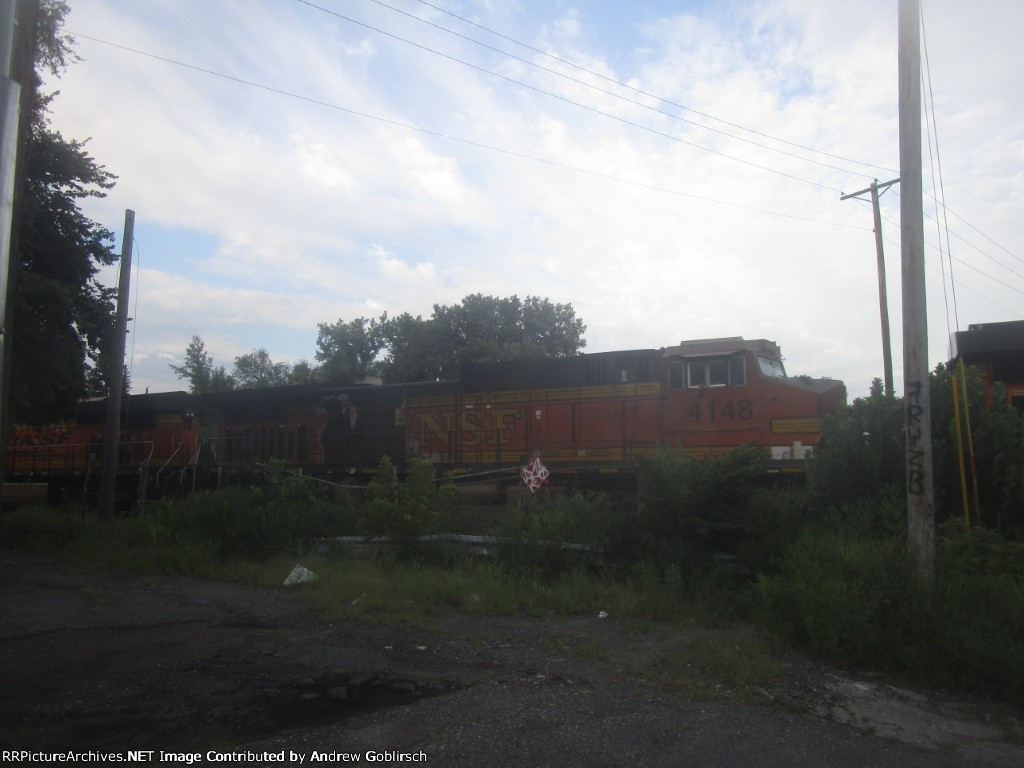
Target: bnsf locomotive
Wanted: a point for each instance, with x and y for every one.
(593, 413)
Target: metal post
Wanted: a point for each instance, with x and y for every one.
(917, 399)
(115, 377)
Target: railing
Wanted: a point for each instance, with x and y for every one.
(43, 461)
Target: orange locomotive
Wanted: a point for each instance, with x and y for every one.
(601, 411)
(592, 413)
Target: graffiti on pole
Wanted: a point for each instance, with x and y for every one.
(915, 436)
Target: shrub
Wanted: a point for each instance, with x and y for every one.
(841, 596)
(861, 451)
(848, 598)
(561, 532)
(40, 529)
(689, 508)
(406, 511)
(285, 514)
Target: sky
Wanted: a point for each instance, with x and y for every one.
(673, 170)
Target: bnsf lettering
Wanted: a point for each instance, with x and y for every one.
(470, 428)
(42, 438)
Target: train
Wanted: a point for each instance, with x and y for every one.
(585, 417)
(996, 351)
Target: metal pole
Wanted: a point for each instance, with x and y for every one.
(917, 399)
(115, 377)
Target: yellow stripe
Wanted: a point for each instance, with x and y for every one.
(796, 426)
(557, 394)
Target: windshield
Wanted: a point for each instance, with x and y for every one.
(770, 367)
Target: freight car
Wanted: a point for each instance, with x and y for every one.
(996, 350)
(589, 416)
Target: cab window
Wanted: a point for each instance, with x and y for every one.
(696, 374)
(737, 371)
(713, 372)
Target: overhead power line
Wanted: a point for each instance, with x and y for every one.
(647, 94)
(612, 93)
(567, 100)
(668, 102)
(449, 137)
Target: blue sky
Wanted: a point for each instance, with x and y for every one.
(376, 163)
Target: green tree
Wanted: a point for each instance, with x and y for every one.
(57, 303)
(200, 371)
(256, 370)
(486, 329)
(304, 372)
(413, 346)
(861, 454)
(348, 350)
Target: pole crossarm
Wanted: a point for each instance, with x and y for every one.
(876, 186)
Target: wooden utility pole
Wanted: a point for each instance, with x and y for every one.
(115, 377)
(883, 300)
(917, 398)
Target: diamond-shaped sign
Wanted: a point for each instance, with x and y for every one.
(535, 474)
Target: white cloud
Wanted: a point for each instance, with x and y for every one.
(318, 214)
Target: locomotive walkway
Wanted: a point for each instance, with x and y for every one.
(108, 662)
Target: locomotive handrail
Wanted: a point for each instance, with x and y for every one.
(63, 455)
(162, 468)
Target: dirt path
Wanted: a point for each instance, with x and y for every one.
(110, 662)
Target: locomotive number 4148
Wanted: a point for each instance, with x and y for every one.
(731, 410)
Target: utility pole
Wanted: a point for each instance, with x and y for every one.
(917, 398)
(883, 301)
(10, 119)
(115, 378)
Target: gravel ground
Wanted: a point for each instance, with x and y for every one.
(108, 663)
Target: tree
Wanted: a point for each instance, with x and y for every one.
(349, 350)
(304, 372)
(413, 345)
(256, 370)
(483, 329)
(199, 369)
(57, 304)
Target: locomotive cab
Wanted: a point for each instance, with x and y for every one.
(722, 393)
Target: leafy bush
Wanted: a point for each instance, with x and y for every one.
(849, 599)
(861, 451)
(40, 529)
(839, 595)
(405, 511)
(690, 508)
(561, 532)
(285, 514)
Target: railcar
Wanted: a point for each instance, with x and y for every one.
(590, 415)
(602, 411)
(996, 350)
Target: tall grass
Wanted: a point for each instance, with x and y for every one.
(850, 600)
